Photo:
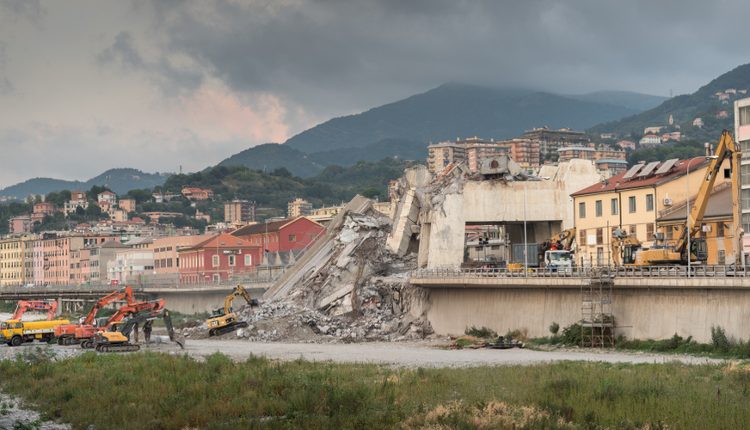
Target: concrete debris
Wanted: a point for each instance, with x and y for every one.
(346, 288)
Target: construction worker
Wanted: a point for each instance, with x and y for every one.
(147, 330)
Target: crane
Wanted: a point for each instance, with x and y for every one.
(679, 253)
(117, 337)
(66, 333)
(224, 320)
(35, 305)
(85, 333)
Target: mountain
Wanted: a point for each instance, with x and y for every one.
(627, 99)
(456, 110)
(685, 108)
(118, 180)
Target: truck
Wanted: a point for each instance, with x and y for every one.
(16, 332)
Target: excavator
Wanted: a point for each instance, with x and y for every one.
(224, 320)
(85, 333)
(66, 334)
(627, 250)
(49, 306)
(556, 251)
(117, 337)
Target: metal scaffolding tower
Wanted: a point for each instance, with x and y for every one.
(597, 320)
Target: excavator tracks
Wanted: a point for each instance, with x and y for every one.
(228, 329)
(118, 348)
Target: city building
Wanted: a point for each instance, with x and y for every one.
(239, 212)
(298, 207)
(632, 201)
(626, 144)
(473, 150)
(650, 139)
(158, 215)
(551, 140)
(132, 266)
(217, 259)
(20, 224)
(281, 236)
(77, 200)
(325, 214)
(52, 255)
(16, 261)
(442, 154)
(698, 122)
(194, 193)
(652, 130)
(166, 252)
(589, 152)
(128, 205)
(41, 210)
(107, 197)
(611, 167)
(742, 137)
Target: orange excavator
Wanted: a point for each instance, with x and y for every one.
(85, 333)
(66, 333)
(49, 306)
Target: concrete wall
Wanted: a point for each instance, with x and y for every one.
(546, 202)
(640, 313)
(197, 300)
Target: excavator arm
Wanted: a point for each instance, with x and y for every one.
(123, 294)
(726, 148)
(35, 305)
(238, 291)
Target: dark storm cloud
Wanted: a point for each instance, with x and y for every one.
(357, 52)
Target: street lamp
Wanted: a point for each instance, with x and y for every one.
(525, 239)
(687, 208)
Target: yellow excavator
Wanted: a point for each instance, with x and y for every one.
(117, 337)
(224, 320)
(627, 250)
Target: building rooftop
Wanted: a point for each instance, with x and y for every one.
(618, 182)
(719, 206)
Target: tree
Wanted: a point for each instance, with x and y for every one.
(96, 190)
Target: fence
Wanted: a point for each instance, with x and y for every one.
(696, 271)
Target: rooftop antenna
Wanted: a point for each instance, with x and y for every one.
(180, 169)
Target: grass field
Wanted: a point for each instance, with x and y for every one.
(151, 390)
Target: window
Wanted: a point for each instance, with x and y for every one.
(745, 173)
(600, 256)
(631, 204)
(582, 210)
(215, 261)
(744, 115)
(719, 229)
(669, 232)
(582, 239)
(632, 229)
(248, 260)
(649, 231)
(217, 278)
(745, 147)
(231, 260)
(745, 199)
(598, 208)
(649, 202)
(599, 236)
(614, 208)
(292, 238)
(722, 257)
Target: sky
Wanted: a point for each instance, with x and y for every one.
(161, 85)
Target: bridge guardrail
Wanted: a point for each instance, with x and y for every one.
(696, 271)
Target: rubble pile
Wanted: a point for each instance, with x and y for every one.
(351, 289)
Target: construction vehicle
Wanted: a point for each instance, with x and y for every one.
(48, 306)
(556, 251)
(117, 338)
(66, 333)
(16, 332)
(224, 320)
(628, 250)
(85, 333)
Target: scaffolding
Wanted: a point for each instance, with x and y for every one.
(597, 320)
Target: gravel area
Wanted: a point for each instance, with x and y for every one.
(13, 415)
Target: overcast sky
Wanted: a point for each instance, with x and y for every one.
(90, 85)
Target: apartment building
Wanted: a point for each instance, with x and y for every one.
(742, 137)
(298, 207)
(20, 224)
(217, 259)
(128, 205)
(77, 200)
(281, 236)
(473, 150)
(239, 212)
(16, 261)
(552, 140)
(632, 201)
(442, 154)
(166, 252)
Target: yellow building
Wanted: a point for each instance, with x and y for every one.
(716, 227)
(633, 200)
(16, 261)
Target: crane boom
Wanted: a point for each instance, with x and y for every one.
(122, 294)
(35, 305)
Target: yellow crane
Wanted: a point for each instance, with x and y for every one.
(224, 320)
(626, 250)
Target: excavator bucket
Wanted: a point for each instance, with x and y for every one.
(174, 337)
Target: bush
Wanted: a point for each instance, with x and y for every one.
(481, 332)
(572, 334)
(719, 338)
(554, 328)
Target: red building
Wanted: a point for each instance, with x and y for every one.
(281, 236)
(217, 259)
